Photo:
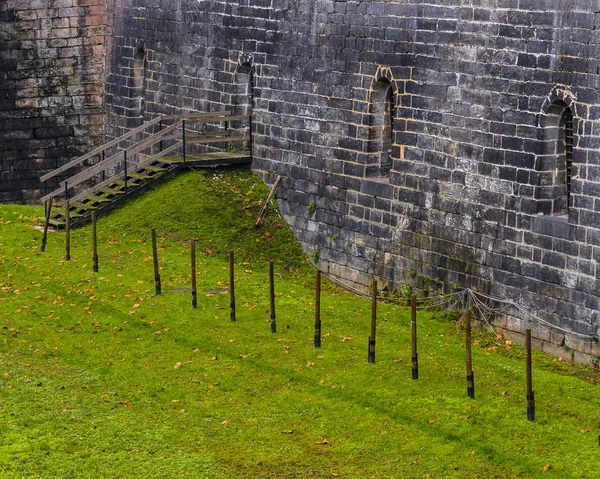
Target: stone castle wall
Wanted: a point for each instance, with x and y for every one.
(419, 143)
(52, 57)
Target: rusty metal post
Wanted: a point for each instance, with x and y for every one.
(47, 223)
(469, 359)
(530, 397)
(272, 296)
(231, 287)
(318, 310)
(373, 322)
(67, 230)
(156, 269)
(94, 243)
(194, 290)
(413, 323)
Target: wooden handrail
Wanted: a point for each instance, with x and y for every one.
(111, 161)
(195, 138)
(98, 150)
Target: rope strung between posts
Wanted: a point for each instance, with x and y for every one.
(465, 300)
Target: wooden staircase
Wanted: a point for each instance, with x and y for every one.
(145, 155)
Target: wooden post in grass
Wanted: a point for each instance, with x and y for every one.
(318, 311)
(194, 291)
(530, 398)
(94, 243)
(67, 231)
(413, 324)
(272, 295)
(47, 223)
(373, 322)
(231, 287)
(156, 270)
(470, 379)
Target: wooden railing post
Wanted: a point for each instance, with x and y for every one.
(160, 144)
(103, 171)
(184, 145)
(250, 141)
(125, 169)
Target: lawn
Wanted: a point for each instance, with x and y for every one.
(101, 378)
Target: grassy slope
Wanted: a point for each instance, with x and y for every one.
(100, 378)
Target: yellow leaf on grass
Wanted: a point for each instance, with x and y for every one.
(546, 467)
(324, 442)
(177, 365)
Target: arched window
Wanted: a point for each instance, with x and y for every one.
(138, 81)
(556, 162)
(382, 113)
(244, 96)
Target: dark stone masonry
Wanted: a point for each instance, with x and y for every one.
(438, 144)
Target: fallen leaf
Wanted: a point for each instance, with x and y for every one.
(177, 365)
(225, 422)
(309, 364)
(289, 431)
(587, 429)
(546, 467)
(324, 441)
(430, 421)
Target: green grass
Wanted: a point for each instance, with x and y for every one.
(100, 378)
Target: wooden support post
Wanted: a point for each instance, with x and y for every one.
(470, 378)
(530, 397)
(227, 130)
(318, 310)
(231, 287)
(47, 223)
(125, 170)
(250, 141)
(156, 269)
(263, 210)
(103, 171)
(194, 290)
(184, 144)
(373, 321)
(160, 144)
(67, 230)
(413, 323)
(272, 296)
(94, 243)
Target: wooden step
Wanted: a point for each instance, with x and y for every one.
(154, 168)
(112, 191)
(56, 222)
(171, 160)
(97, 199)
(72, 214)
(130, 184)
(139, 176)
(82, 206)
